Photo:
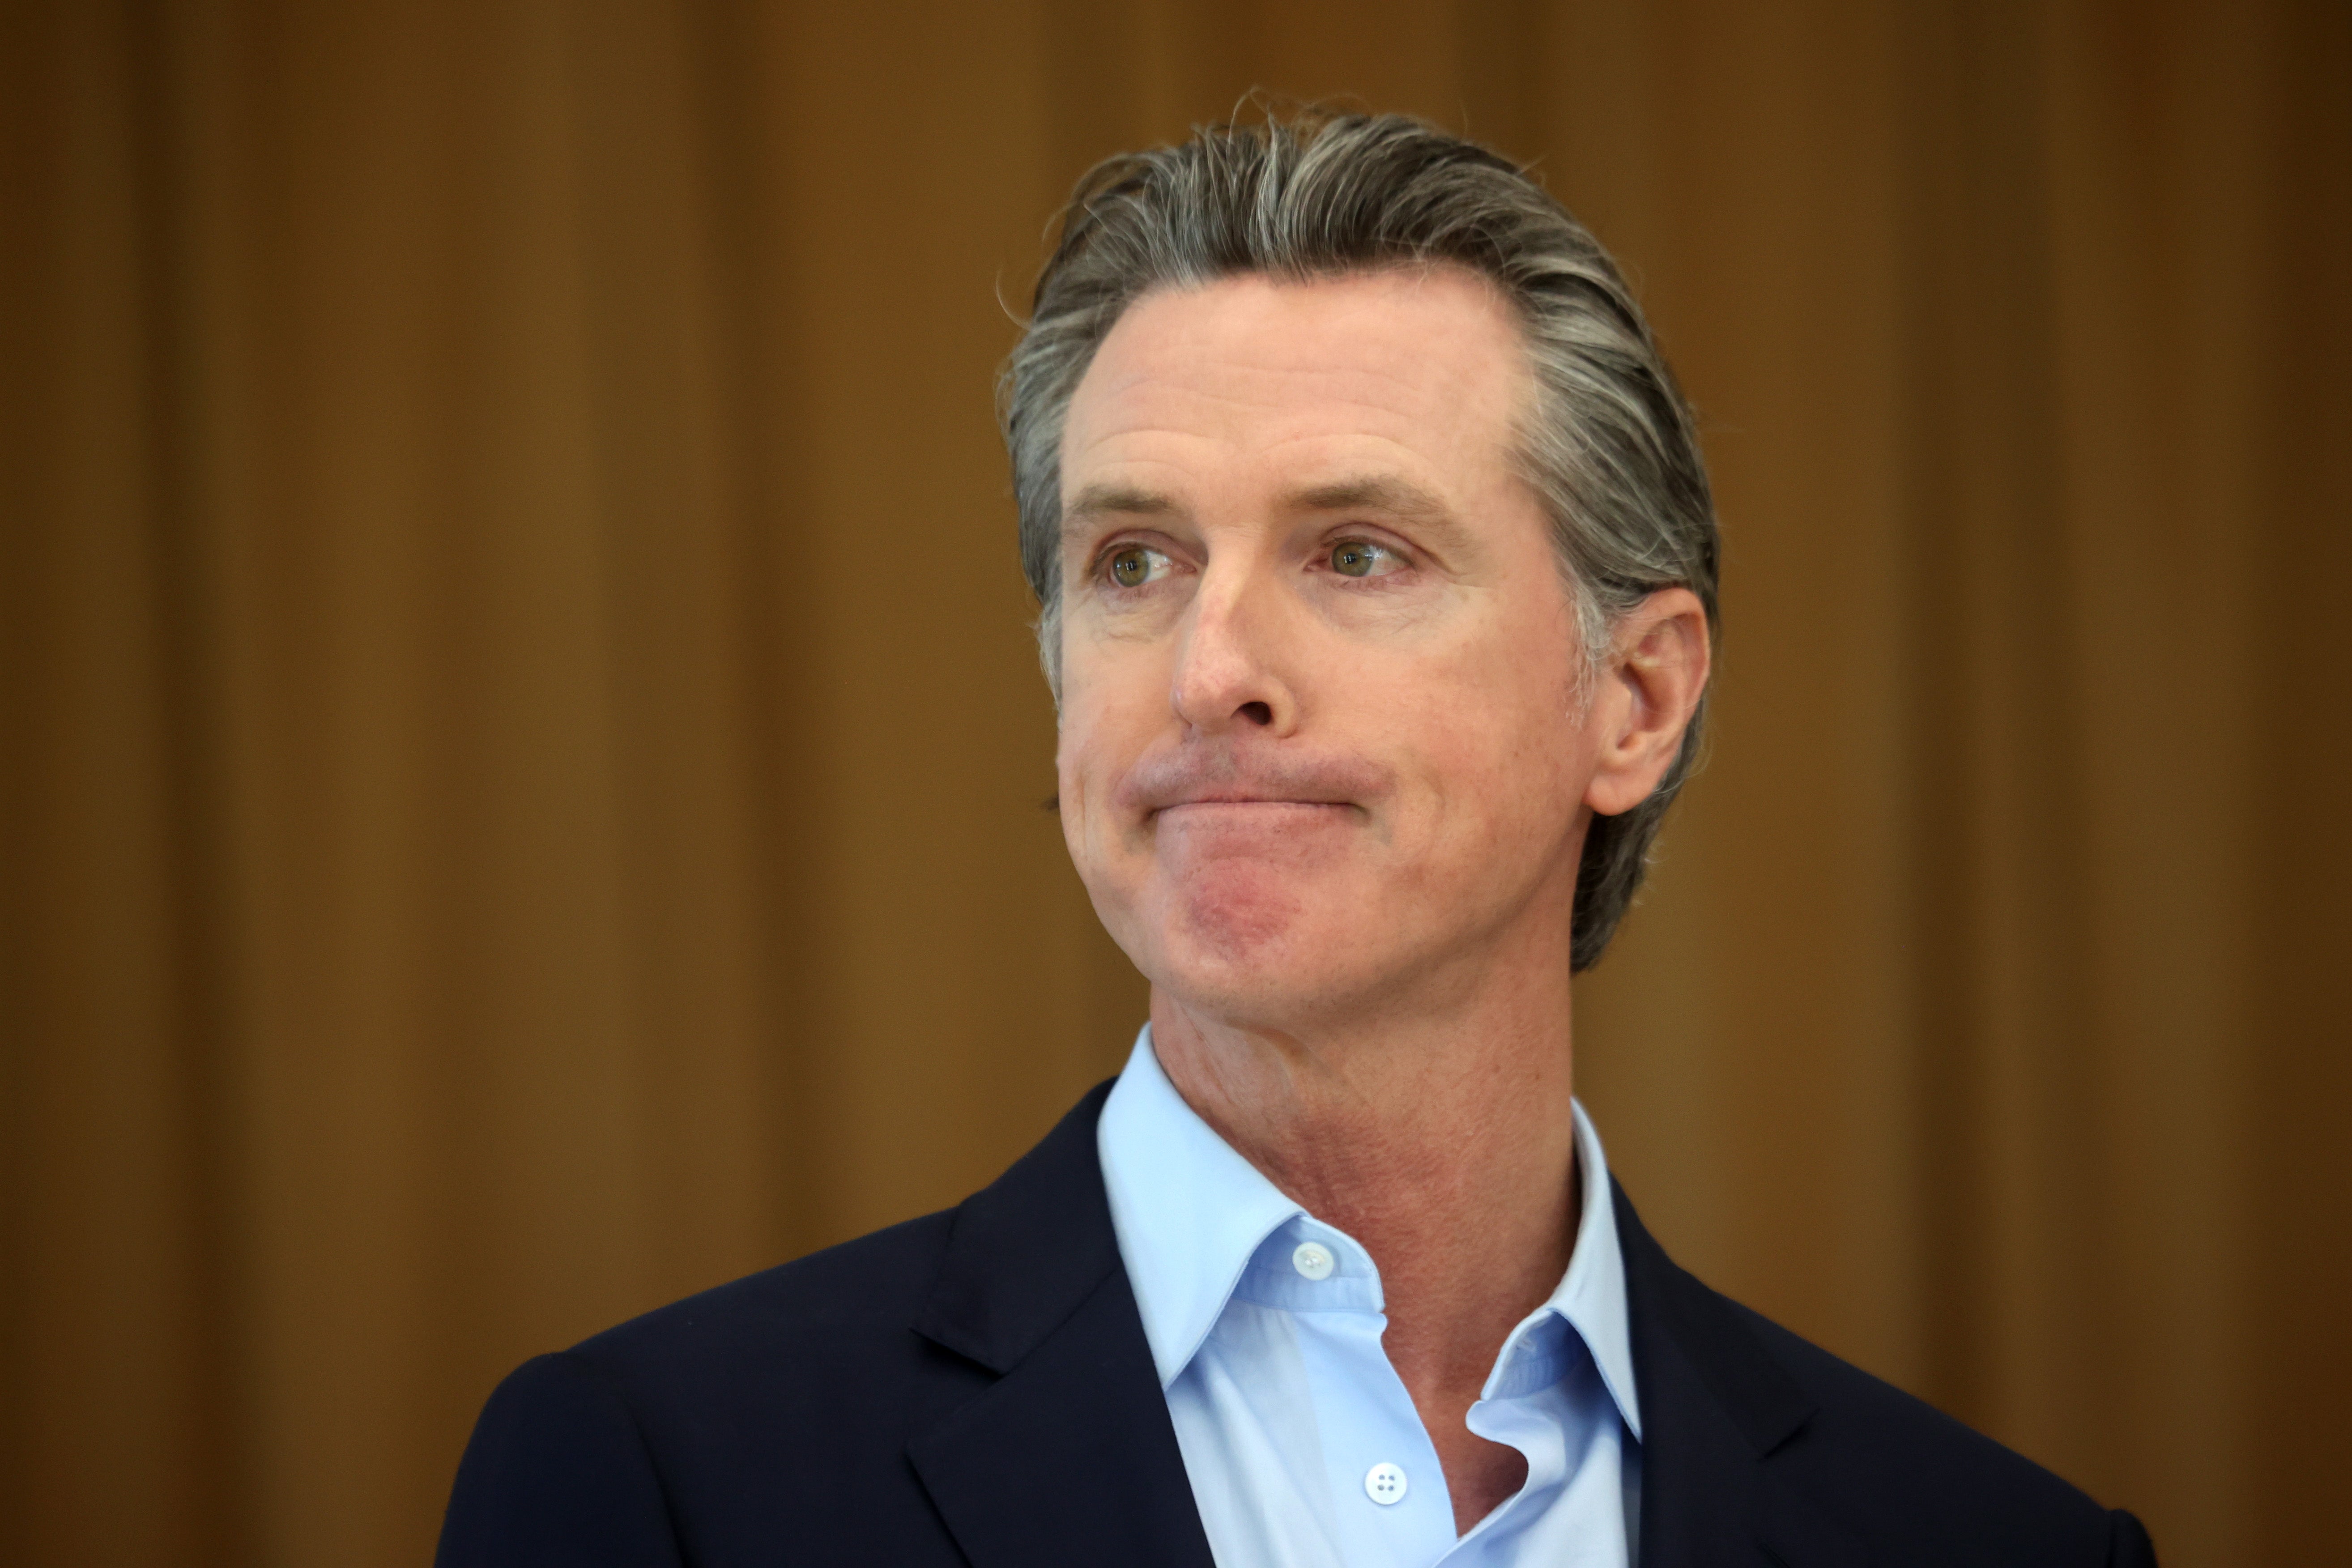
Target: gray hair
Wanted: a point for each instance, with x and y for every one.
(1610, 446)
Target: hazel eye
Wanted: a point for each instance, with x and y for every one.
(1362, 558)
(1133, 565)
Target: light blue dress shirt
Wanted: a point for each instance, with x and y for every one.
(1303, 1447)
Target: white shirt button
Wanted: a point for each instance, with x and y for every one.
(1384, 1484)
(1313, 1259)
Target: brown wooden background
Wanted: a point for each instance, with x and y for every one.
(520, 756)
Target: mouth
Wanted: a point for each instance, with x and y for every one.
(1245, 806)
(1241, 797)
(1208, 786)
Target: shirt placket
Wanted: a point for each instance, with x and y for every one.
(1387, 1492)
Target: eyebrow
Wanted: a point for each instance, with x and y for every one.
(1115, 500)
(1372, 492)
(1369, 492)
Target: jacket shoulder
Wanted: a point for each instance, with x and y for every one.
(782, 1408)
(776, 1408)
(823, 1340)
(1896, 1469)
(1853, 1467)
(843, 1289)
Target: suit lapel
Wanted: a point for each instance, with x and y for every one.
(1069, 1456)
(1716, 1408)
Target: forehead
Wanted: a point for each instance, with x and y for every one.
(1422, 369)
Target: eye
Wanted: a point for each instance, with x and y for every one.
(1133, 565)
(1362, 558)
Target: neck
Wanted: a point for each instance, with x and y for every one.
(1441, 1138)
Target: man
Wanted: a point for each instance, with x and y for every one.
(1377, 569)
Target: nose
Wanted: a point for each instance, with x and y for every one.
(1227, 674)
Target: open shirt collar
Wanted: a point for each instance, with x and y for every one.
(1192, 1215)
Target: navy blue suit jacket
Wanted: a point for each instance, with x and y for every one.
(973, 1387)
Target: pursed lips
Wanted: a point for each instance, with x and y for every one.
(1246, 800)
(1242, 808)
(1221, 790)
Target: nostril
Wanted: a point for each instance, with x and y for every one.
(1257, 712)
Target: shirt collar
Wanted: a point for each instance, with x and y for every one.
(1190, 1212)
(1592, 1294)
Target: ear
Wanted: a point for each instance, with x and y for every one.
(1642, 702)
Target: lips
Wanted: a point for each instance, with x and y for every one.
(1242, 808)
(1194, 777)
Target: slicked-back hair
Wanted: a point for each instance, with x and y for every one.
(1607, 445)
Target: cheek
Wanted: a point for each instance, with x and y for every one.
(1500, 761)
(1078, 784)
(1099, 740)
(1503, 783)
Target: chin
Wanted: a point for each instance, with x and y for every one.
(1251, 950)
(1240, 913)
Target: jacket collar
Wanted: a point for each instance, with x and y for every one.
(1070, 1455)
(1717, 1408)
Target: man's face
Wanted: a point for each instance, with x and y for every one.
(1321, 741)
